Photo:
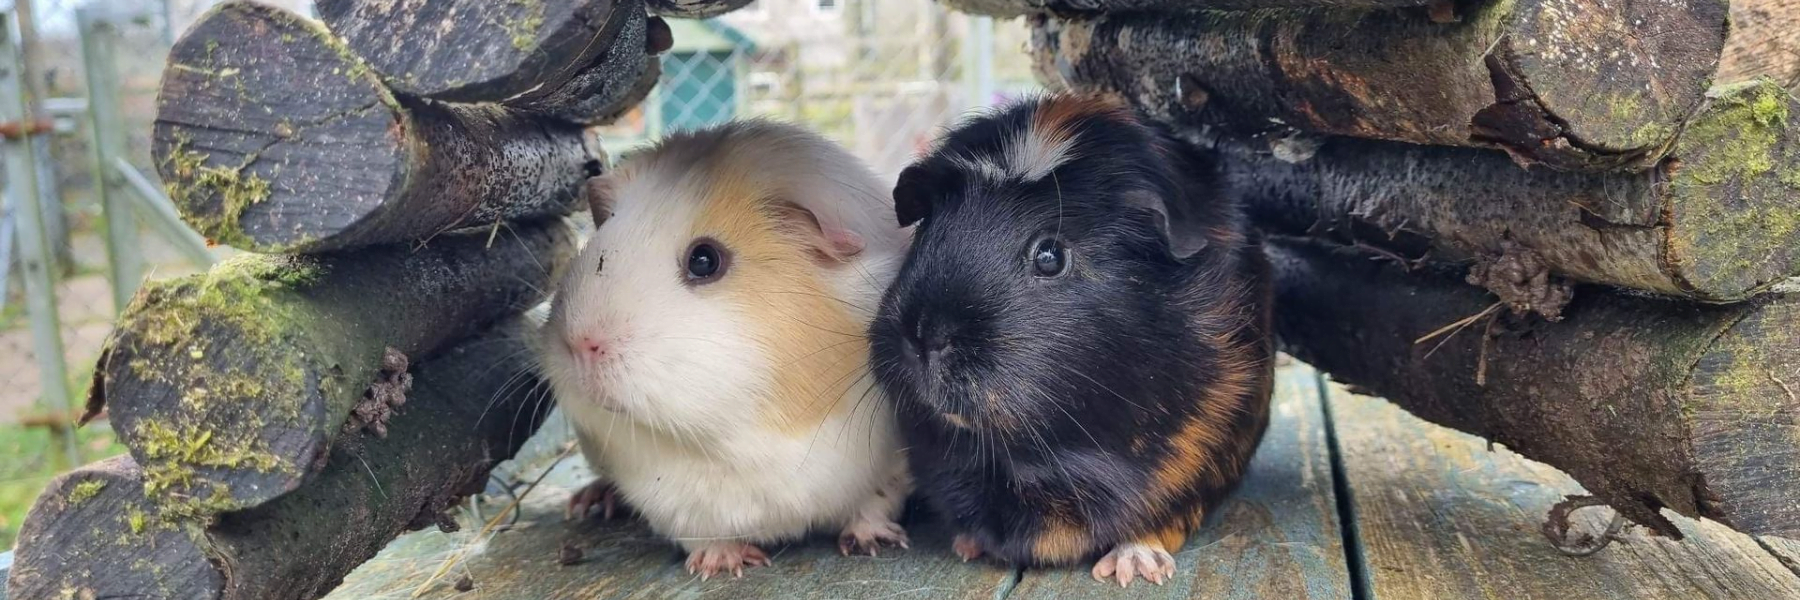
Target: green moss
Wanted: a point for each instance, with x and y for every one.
(195, 182)
(237, 343)
(524, 29)
(1736, 167)
(136, 520)
(86, 491)
(1738, 133)
(174, 453)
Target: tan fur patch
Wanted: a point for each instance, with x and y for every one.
(1061, 542)
(816, 348)
(1198, 443)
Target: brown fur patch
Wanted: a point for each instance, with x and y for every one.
(1056, 115)
(1061, 542)
(816, 347)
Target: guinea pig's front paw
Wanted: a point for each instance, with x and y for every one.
(1135, 559)
(721, 556)
(599, 494)
(966, 547)
(867, 535)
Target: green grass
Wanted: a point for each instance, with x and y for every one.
(32, 457)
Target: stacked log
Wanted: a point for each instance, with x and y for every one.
(1564, 225)
(402, 204)
(276, 135)
(96, 533)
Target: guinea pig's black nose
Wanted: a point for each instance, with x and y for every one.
(927, 340)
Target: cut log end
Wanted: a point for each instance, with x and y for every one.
(608, 82)
(259, 110)
(98, 518)
(1618, 79)
(1744, 415)
(1735, 171)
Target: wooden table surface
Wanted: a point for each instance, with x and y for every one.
(1349, 497)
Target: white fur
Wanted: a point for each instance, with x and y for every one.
(1031, 156)
(674, 420)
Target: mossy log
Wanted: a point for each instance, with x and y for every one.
(273, 137)
(228, 387)
(1575, 84)
(695, 9)
(1715, 221)
(1648, 403)
(1764, 42)
(1014, 8)
(94, 533)
(577, 60)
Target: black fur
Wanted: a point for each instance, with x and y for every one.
(1066, 388)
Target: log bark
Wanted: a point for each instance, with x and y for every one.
(1575, 85)
(695, 9)
(1016, 8)
(1715, 221)
(273, 137)
(94, 534)
(228, 387)
(1764, 42)
(576, 60)
(1648, 403)
(477, 50)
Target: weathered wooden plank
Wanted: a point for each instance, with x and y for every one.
(1277, 537)
(623, 559)
(1440, 516)
(1785, 550)
(6, 559)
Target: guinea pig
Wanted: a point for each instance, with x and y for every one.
(1078, 342)
(709, 345)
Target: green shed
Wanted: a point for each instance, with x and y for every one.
(700, 74)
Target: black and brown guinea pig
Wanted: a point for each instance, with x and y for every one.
(1078, 341)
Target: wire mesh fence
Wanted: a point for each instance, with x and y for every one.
(880, 77)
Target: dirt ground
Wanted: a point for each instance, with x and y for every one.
(84, 305)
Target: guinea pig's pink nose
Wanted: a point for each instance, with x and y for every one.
(591, 346)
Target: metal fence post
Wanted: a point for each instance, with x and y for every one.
(35, 256)
(124, 253)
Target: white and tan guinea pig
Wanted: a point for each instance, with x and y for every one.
(709, 345)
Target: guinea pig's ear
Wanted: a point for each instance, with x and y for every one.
(1176, 224)
(911, 204)
(830, 240)
(598, 192)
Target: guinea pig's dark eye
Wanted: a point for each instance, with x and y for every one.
(1049, 257)
(705, 261)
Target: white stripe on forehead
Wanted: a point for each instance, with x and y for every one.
(1035, 152)
(1029, 155)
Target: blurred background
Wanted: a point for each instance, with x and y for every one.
(883, 80)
